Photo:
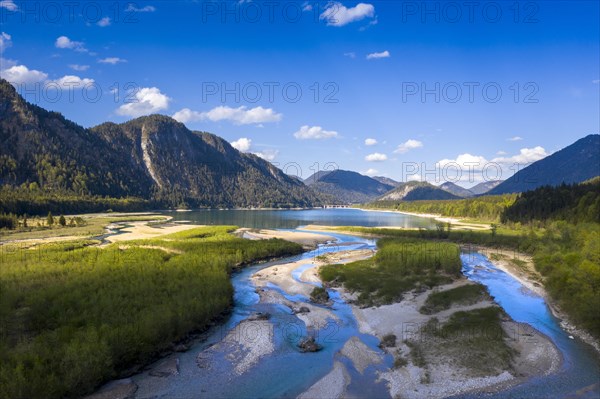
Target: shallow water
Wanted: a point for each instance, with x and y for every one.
(580, 367)
(287, 372)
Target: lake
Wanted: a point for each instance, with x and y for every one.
(291, 219)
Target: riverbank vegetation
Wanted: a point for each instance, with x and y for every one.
(558, 226)
(73, 315)
(487, 208)
(50, 226)
(35, 201)
(400, 265)
(467, 294)
(476, 340)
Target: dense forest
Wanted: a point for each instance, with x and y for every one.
(571, 202)
(35, 201)
(73, 315)
(488, 208)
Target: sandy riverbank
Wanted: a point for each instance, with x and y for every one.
(443, 375)
(144, 230)
(521, 267)
(309, 240)
(457, 223)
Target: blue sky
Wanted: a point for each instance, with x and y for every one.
(433, 85)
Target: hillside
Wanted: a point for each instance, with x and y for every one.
(570, 202)
(484, 187)
(416, 191)
(151, 157)
(346, 186)
(387, 180)
(573, 164)
(455, 189)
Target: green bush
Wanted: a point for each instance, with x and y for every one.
(400, 265)
(463, 295)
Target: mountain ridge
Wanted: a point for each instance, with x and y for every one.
(347, 186)
(575, 163)
(417, 191)
(151, 157)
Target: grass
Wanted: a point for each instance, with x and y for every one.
(74, 315)
(399, 266)
(416, 354)
(477, 340)
(319, 295)
(464, 295)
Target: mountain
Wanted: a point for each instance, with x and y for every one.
(346, 186)
(573, 164)
(386, 180)
(484, 187)
(152, 157)
(455, 189)
(416, 191)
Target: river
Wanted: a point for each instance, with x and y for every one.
(287, 373)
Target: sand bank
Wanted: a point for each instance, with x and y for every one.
(142, 230)
(307, 239)
(332, 386)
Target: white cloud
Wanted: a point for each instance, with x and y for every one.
(111, 60)
(5, 41)
(466, 162)
(77, 67)
(475, 168)
(407, 146)
(20, 74)
(68, 82)
(376, 157)
(525, 156)
(239, 116)
(104, 22)
(267, 155)
(501, 153)
(242, 115)
(66, 43)
(350, 54)
(515, 138)
(186, 115)
(374, 56)
(242, 144)
(314, 133)
(371, 172)
(370, 142)
(336, 14)
(367, 26)
(596, 81)
(9, 5)
(132, 8)
(306, 6)
(148, 100)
